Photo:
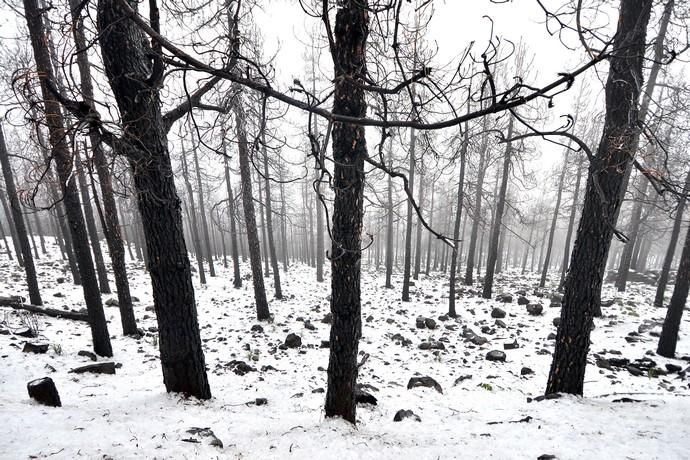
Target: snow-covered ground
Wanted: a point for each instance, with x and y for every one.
(130, 415)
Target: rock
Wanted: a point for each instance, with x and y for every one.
(557, 321)
(634, 371)
(505, 298)
(261, 401)
(364, 397)
(526, 371)
(204, 433)
(399, 339)
(112, 302)
(500, 323)
(498, 313)
(426, 381)
(462, 378)
(511, 345)
(496, 355)
(99, 368)
(522, 300)
(38, 348)
(328, 319)
(432, 345)
(535, 309)
(547, 457)
(257, 328)
(420, 323)
(308, 325)
(443, 318)
(673, 368)
(87, 354)
(479, 340)
(293, 341)
(430, 323)
(44, 392)
(325, 344)
(25, 332)
(60, 280)
(240, 367)
(551, 336)
(402, 414)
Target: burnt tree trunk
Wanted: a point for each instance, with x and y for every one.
(91, 225)
(633, 240)
(349, 152)
(492, 251)
(571, 224)
(472, 248)
(18, 218)
(389, 223)
(202, 213)
(456, 227)
(128, 66)
(194, 226)
(554, 219)
(602, 199)
(237, 278)
(407, 263)
(269, 227)
(63, 161)
(262, 311)
(13, 230)
(673, 242)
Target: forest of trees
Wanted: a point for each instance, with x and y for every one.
(166, 140)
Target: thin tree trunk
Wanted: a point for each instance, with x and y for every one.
(628, 248)
(13, 230)
(91, 225)
(408, 224)
(262, 311)
(418, 244)
(269, 226)
(554, 219)
(498, 219)
(481, 171)
(18, 218)
(571, 224)
(199, 252)
(236, 278)
(456, 228)
(202, 213)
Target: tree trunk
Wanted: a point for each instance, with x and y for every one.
(418, 245)
(128, 67)
(269, 227)
(674, 314)
(571, 223)
(602, 200)
(202, 213)
(111, 224)
(91, 225)
(389, 225)
(18, 218)
(554, 219)
(481, 170)
(407, 268)
(196, 238)
(63, 160)
(13, 230)
(456, 228)
(236, 278)
(262, 311)
(671, 250)
(492, 252)
(628, 249)
(349, 152)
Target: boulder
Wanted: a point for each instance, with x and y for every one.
(44, 392)
(496, 356)
(426, 381)
(402, 414)
(293, 341)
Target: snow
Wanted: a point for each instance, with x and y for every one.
(129, 415)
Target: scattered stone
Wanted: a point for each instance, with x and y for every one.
(240, 367)
(551, 336)
(364, 397)
(498, 313)
(328, 319)
(308, 325)
(501, 323)
(99, 368)
(479, 340)
(557, 321)
(634, 371)
(420, 323)
(430, 323)
(38, 348)
(112, 302)
(44, 392)
(535, 309)
(400, 340)
(25, 332)
(673, 368)
(402, 414)
(325, 344)
(204, 433)
(522, 300)
(432, 345)
(505, 298)
(511, 345)
(257, 328)
(496, 355)
(443, 318)
(526, 371)
(426, 381)
(462, 378)
(293, 341)
(87, 354)
(261, 401)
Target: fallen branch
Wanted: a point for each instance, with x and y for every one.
(17, 303)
